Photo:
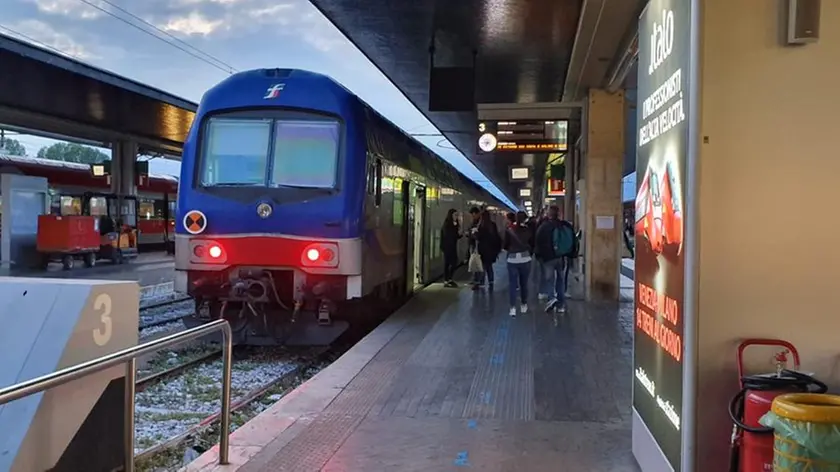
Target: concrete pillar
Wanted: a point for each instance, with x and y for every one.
(123, 179)
(602, 219)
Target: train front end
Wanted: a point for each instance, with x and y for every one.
(267, 233)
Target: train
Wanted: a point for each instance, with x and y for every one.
(299, 202)
(74, 189)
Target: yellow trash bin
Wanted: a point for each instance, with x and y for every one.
(807, 432)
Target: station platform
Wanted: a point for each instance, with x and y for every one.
(450, 381)
(148, 269)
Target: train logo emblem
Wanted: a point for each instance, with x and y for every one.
(195, 222)
(274, 91)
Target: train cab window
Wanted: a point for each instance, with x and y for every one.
(236, 152)
(305, 153)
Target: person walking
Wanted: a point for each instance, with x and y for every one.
(517, 242)
(555, 241)
(488, 245)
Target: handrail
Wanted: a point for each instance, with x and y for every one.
(129, 358)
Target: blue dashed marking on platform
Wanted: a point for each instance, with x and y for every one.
(485, 397)
(497, 359)
(462, 459)
(472, 424)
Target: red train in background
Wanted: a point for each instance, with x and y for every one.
(659, 212)
(73, 186)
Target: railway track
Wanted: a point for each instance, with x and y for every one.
(149, 379)
(167, 452)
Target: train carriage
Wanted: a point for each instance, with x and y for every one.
(296, 199)
(71, 184)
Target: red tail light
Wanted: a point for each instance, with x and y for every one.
(207, 252)
(320, 255)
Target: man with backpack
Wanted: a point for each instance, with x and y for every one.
(555, 242)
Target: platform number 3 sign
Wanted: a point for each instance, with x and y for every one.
(102, 305)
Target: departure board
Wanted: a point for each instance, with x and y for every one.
(523, 136)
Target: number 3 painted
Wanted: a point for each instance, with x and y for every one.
(102, 335)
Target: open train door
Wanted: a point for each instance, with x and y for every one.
(408, 234)
(419, 204)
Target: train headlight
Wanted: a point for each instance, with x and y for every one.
(207, 252)
(320, 255)
(313, 255)
(264, 210)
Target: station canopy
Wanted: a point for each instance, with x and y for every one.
(47, 93)
(456, 60)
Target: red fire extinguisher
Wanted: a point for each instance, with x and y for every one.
(752, 443)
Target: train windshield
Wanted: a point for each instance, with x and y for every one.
(296, 153)
(236, 152)
(305, 153)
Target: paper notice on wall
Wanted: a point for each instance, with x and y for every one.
(605, 222)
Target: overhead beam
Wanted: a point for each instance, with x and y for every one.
(602, 31)
(26, 122)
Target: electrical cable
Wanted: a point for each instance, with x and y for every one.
(167, 33)
(133, 25)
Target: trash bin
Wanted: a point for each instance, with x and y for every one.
(807, 432)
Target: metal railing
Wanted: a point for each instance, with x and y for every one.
(129, 358)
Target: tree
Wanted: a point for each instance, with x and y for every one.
(72, 152)
(12, 146)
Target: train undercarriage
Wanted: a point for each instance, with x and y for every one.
(271, 307)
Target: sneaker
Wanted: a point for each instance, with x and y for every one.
(551, 304)
(523, 308)
(561, 309)
(542, 297)
(513, 312)
(453, 284)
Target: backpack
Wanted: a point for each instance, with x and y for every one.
(563, 240)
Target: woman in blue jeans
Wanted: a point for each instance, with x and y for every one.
(517, 243)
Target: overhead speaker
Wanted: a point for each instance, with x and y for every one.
(803, 21)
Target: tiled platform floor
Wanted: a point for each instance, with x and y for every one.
(452, 382)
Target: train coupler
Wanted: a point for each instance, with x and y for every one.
(324, 318)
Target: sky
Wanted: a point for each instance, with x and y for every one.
(244, 34)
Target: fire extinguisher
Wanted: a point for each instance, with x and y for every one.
(752, 443)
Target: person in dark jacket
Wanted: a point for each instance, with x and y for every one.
(450, 233)
(552, 263)
(517, 243)
(488, 243)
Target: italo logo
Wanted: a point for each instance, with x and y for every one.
(274, 91)
(661, 40)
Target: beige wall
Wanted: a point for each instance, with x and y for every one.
(769, 200)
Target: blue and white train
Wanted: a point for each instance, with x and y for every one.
(297, 198)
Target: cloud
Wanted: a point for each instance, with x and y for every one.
(45, 34)
(237, 18)
(69, 8)
(192, 24)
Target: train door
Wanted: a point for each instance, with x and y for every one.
(408, 233)
(419, 234)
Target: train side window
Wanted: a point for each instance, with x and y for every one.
(147, 209)
(378, 183)
(98, 206)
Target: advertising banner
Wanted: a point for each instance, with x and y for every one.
(661, 153)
